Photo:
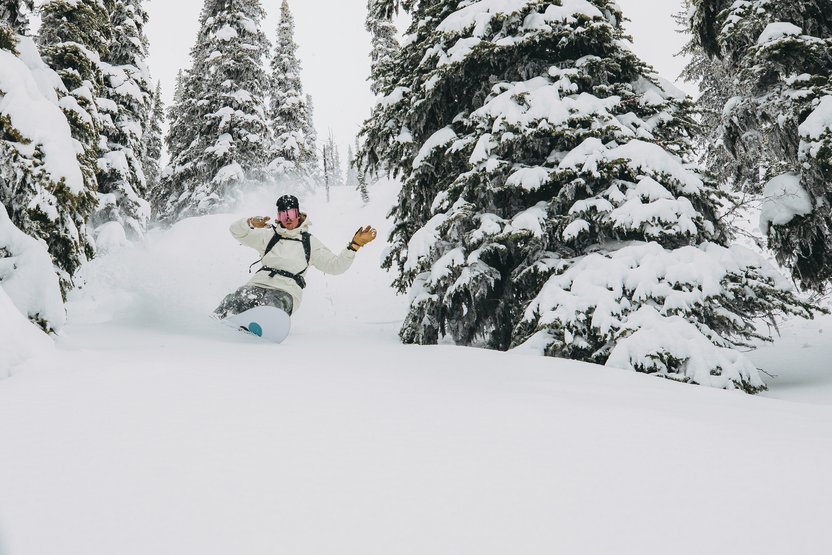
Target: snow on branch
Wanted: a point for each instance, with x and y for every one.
(28, 277)
(648, 309)
(30, 102)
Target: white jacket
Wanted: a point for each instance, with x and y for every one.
(289, 255)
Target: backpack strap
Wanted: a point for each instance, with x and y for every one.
(305, 238)
(299, 279)
(272, 242)
(306, 241)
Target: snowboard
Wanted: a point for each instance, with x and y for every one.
(267, 322)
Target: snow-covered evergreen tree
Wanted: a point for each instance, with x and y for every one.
(152, 152)
(179, 86)
(312, 133)
(715, 82)
(384, 44)
(356, 176)
(715, 88)
(351, 180)
(777, 120)
(332, 163)
(292, 153)
(181, 115)
(125, 106)
(219, 138)
(16, 13)
(362, 174)
(73, 37)
(27, 276)
(362, 186)
(41, 183)
(547, 198)
(180, 134)
(325, 176)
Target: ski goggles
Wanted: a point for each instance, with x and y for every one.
(286, 216)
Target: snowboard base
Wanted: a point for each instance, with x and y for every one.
(267, 322)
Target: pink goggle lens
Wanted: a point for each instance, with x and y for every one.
(285, 216)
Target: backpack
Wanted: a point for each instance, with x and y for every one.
(305, 239)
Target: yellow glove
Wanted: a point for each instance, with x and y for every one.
(363, 236)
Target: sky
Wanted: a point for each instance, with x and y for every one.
(334, 50)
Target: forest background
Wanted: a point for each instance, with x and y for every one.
(172, 28)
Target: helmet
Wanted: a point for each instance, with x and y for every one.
(287, 202)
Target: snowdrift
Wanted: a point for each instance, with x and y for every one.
(152, 429)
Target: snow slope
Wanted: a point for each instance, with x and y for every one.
(799, 362)
(152, 429)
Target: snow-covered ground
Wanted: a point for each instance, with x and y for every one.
(799, 362)
(151, 429)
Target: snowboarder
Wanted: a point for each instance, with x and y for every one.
(286, 249)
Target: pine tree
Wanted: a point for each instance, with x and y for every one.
(715, 88)
(326, 182)
(379, 24)
(384, 45)
(361, 174)
(775, 121)
(548, 202)
(312, 133)
(332, 163)
(219, 138)
(356, 177)
(362, 187)
(73, 37)
(125, 105)
(713, 75)
(41, 184)
(337, 167)
(152, 152)
(351, 179)
(292, 152)
(180, 133)
(179, 86)
(16, 13)
(28, 278)
(182, 116)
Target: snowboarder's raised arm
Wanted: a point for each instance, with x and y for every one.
(251, 232)
(329, 263)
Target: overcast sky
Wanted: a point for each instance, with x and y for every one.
(334, 50)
